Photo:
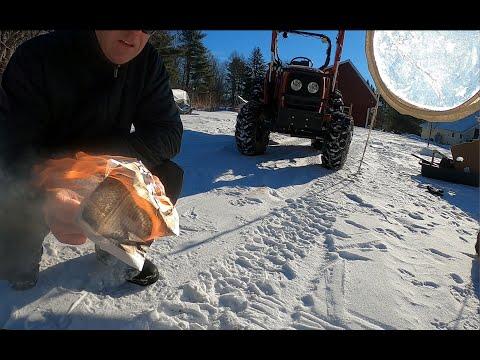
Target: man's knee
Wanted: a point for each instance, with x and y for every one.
(171, 176)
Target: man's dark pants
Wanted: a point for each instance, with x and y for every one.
(22, 226)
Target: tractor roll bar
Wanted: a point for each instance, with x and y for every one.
(323, 37)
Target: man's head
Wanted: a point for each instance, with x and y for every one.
(121, 46)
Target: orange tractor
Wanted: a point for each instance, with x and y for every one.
(300, 100)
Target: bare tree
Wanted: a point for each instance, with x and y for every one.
(10, 40)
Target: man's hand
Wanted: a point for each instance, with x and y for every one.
(61, 209)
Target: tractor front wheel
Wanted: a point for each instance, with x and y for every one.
(317, 144)
(337, 141)
(251, 134)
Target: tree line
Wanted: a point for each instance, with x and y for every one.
(10, 40)
(211, 84)
(390, 120)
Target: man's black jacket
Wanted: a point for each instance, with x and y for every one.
(60, 94)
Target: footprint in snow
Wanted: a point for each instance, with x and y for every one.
(353, 223)
(246, 201)
(415, 216)
(411, 278)
(351, 256)
(457, 278)
(358, 200)
(439, 253)
(307, 300)
(381, 246)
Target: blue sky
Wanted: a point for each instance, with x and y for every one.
(223, 42)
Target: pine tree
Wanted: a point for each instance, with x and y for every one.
(216, 82)
(201, 71)
(236, 74)
(255, 74)
(391, 120)
(164, 42)
(193, 54)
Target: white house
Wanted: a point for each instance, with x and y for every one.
(454, 132)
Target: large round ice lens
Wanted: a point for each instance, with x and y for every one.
(296, 85)
(433, 75)
(313, 87)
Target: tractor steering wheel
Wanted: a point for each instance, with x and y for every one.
(310, 62)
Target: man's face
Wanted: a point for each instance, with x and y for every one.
(121, 46)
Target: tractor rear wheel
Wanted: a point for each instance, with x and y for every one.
(337, 141)
(251, 134)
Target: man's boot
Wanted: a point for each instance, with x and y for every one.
(148, 275)
(26, 278)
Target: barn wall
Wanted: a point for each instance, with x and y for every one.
(354, 92)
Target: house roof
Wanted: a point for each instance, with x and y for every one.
(461, 125)
(358, 73)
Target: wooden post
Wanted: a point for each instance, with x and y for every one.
(369, 131)
(366, 120)
(429, 135)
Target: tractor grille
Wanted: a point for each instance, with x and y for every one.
(302, 99)
(302, 103)
(305, 78)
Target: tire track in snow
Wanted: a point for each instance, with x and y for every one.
(335, 286)
(248, 284)
(267, 264)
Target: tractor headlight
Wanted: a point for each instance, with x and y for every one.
(313, 87)
(296, 85)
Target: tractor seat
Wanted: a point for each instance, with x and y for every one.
(300, 62)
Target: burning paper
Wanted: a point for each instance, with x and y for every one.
(123, 206)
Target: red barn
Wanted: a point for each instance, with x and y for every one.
(356, 93)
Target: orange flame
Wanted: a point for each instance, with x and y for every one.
(84, 172)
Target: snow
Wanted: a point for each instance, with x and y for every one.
(278, 242)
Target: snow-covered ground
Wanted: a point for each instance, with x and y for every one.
(278, 242)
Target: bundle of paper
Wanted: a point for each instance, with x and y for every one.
(110, 218)
(123, 206)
